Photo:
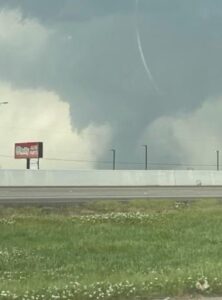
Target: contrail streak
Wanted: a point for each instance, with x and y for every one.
(145, 64)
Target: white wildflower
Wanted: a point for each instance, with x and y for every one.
(202, 285)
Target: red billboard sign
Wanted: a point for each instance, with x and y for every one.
(29, 150)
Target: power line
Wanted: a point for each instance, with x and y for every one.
(120, 162)
(77, 160)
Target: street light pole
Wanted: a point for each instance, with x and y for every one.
(218, 160)
(146, 156)
(114, 158)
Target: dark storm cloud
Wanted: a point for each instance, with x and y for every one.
(69, 10)
(92, 60)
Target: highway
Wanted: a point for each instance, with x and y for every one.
(71, 195)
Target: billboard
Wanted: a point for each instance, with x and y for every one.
(29, 150)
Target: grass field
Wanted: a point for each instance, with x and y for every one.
(112, 250)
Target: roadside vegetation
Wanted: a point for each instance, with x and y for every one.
(112, 250)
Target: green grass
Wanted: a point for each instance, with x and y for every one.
(112, 250)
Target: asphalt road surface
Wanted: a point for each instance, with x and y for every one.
(71, 195)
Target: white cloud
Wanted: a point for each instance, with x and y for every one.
(191, 138)
(39, 115)
(24, 36)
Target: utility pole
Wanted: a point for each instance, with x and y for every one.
(114, 158)
(146, 156)
(218, 160)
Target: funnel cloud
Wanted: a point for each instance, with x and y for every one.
(145, 64)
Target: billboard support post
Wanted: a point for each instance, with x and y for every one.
(28, 163)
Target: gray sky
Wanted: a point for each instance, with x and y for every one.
(86, 53)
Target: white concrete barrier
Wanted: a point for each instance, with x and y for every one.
(109, 178)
